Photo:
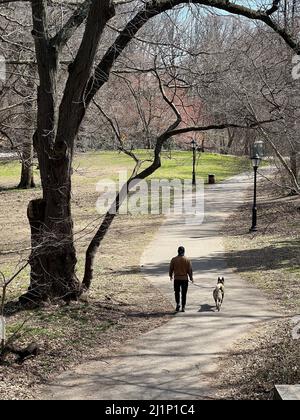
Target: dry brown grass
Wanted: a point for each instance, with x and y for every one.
(266, 357)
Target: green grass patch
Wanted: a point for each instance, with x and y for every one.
(91, 167)
(10, 169)
(175, 165)
(180, 166)
(10, 172)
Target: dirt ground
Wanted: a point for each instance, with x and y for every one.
(270, 260)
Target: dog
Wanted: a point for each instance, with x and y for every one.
(219, 293)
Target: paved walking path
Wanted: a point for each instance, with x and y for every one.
(177, 360)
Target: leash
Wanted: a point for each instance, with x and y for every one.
(195, 284)
(201, 287)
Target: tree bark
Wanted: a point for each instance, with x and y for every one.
(231, 139)
(27, 178)
(53, 257)
(94, 246)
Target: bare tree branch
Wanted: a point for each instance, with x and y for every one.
(122, 148)
(78, 17)
(273, 8)
(218, 127)
(10, 107)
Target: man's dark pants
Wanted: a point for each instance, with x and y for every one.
(181, 286)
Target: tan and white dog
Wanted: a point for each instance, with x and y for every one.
(219, 293)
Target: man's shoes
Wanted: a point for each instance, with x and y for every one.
(177, 308)
(183, 309)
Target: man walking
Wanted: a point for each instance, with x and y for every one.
(181, 270)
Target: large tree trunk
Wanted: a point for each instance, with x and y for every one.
(27, 179)
(231, 139)
(53, 258)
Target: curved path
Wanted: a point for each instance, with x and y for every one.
(178, 360)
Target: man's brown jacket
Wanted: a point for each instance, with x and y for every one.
(182, 269)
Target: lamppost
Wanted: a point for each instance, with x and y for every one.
(193, 142)
(257, 155)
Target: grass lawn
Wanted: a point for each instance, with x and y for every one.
(121, 302)
(94, 166)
